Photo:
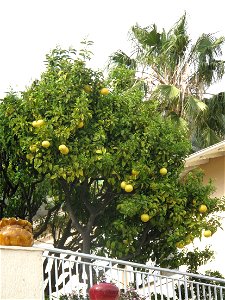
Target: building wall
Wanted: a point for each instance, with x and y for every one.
(215, 170)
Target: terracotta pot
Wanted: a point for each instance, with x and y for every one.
(104, 291)
(16, 232)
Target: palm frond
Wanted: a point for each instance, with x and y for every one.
(145, 37)
(121, 58)
(178, 38)
(207, 51)
(204, 138)
(194, 107)
(210, 128)
(216, 113)
(168, 91)
(181, 122)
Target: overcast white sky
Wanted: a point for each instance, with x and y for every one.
(31, 28)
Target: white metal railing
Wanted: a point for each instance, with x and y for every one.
(67, 271)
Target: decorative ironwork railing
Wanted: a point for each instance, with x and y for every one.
(66, 272)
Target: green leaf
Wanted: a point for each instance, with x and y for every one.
(197, 105)
(169, 91)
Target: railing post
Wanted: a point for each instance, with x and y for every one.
(185, 287)
(21, 273)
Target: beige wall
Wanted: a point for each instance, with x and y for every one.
(215, 170)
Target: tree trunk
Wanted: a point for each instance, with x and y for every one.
(86, 248)
(86, 245)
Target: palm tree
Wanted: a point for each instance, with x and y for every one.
(210, 129)
(178, 73)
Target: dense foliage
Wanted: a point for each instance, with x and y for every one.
(80, 136)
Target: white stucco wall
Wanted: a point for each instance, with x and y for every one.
(21, 273)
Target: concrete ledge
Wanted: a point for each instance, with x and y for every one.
(21, 273)
(21, 248)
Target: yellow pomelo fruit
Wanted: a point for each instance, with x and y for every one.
(45, 144)
(123, 184)
(134, 172)
(63, 149)
(33, 148)
(87, 88)
(128, 188)
(34, 124)
(145, 217)
(207, 233)
(29, 156)
(81, 124)
(104, 91)
(163, 171)
(40, 123)
(202, 208)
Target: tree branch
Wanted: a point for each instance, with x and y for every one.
(65, 235)
(70, 209)
(45, 225)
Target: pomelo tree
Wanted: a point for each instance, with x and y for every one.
(114, 162)
(23, 189)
